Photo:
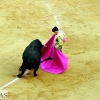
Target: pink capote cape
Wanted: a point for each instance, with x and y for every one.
(60, 62)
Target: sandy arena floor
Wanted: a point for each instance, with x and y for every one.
(22, 21)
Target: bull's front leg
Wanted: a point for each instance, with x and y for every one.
(19, 75)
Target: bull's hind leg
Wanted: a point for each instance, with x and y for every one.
(36, 68)
(19, 75)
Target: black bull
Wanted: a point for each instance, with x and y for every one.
(32, 57)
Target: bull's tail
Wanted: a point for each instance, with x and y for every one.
(49, 58)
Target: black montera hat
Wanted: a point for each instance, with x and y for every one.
(55, 29)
